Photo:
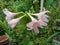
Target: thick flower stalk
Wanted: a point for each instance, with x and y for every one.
(9, 15)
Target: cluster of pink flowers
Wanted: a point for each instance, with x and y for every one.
(9, 15)
(33, 25)
(41, 22)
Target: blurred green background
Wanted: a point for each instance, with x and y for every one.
(31, 38)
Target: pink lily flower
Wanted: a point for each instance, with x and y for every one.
(41, 22)
(12, 23)
(33, 25)
(42, 16)
(8, 14)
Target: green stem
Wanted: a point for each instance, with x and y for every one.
(42, 1)
(20, 12)
(52, 36)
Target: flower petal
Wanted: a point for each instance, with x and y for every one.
(8, 14)
(33, 26)
(36, 30)
(41, 24)
(13, 22)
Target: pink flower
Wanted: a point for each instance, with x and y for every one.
(12, 23)
(42, 16)
(41, 22)
(8, 14)
(33, 25)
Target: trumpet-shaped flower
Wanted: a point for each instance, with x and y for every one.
(8, 14)
(12, 23)
(41, 22)
(42, 16)
(33, 25)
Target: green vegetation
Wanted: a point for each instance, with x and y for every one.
(20, 34)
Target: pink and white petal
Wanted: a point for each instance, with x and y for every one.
(33, 26)
(45, 12)
(12, 26)
(46, 16)
(46, 20)
(29, 25)
(43, 18)
(13, 22)
(36, 30)
(7, 12)
(41, 23)
(44, 24)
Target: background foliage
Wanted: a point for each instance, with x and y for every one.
(29, 37)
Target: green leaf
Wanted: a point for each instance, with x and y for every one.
(31, 43)
(26, 41)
